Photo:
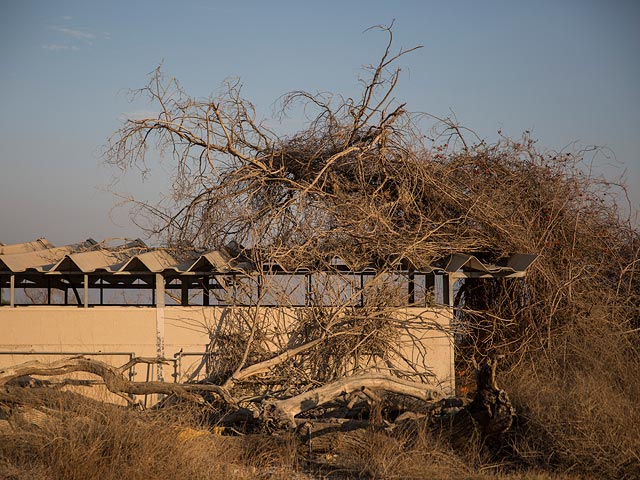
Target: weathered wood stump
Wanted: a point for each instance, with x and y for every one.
(460, 421)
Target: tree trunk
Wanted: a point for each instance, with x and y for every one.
(113, 378)
(282, 412)
(489, 414)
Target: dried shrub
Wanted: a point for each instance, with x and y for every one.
(375, 454)
(360, 182)
(579, 405)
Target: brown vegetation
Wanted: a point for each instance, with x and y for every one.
(360, 182)
(81, 439)
(54, 434)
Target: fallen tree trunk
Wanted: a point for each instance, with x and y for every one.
(283, 412)
(490, 413)
(114, 379)
(459, 421)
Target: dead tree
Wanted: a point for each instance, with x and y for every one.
(361, 181)
(365, 181)
(283, 412)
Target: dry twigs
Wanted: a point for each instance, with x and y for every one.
(360, 183)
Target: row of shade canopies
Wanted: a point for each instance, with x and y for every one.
(91, 257)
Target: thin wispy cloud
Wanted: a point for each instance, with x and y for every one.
(75, 38)
(59, 48)
(77, 34)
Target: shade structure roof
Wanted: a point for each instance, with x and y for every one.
(17, 248)
(155, 261)
(40, 261)
(91, 257)
(216, 260)
(514, 264)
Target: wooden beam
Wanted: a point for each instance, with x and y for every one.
(458, 275)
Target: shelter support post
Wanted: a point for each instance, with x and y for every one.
(411, 289)
(448, 282)
(12, 290)
(184, 291)
(160, 286)
(451, 280)
(86, 290)
(308, 296)
(259, 288)
(205, 290)
(429, 287)
(447, 289)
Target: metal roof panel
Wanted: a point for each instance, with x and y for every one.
(87, 262)
(521, 261)
(216, 260)
(39, 244)
(37, 260)
(155, 261)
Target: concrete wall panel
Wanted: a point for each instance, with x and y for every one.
(425, 340)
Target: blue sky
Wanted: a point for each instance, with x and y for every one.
(567, 70)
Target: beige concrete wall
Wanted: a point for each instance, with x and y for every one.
(424, 342)
(113, 334)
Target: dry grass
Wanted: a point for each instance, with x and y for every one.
(83, 439)
(579, 405)
(378, 455)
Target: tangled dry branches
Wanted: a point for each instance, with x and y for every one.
(360, 182)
